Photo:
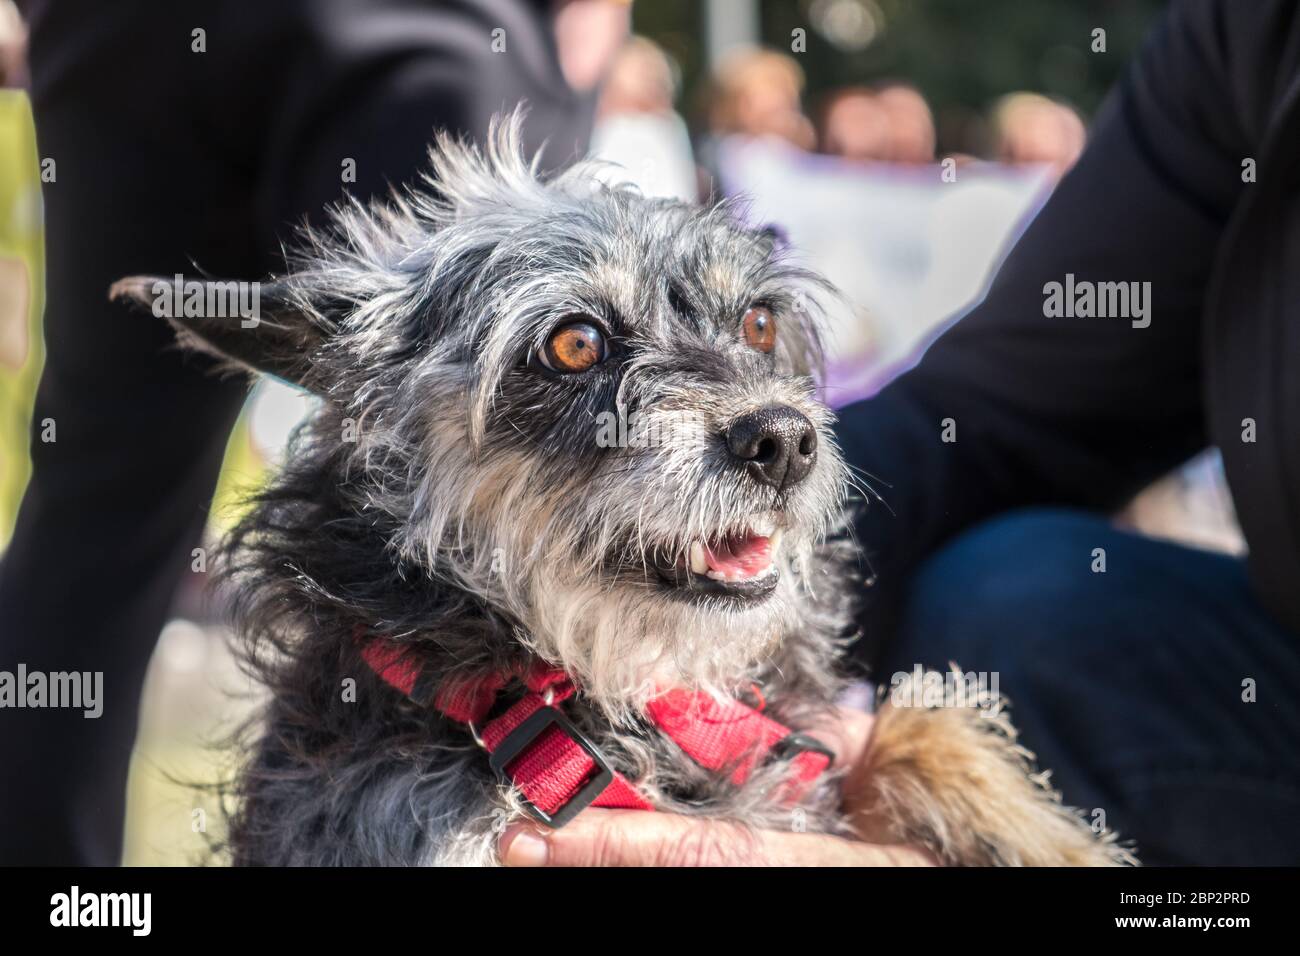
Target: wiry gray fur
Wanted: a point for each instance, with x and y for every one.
(450, 495)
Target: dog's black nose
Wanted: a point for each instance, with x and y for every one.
(777, 444)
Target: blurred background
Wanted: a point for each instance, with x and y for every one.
(899, 145)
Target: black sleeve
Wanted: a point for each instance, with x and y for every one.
(294, 91)
(1080, 411)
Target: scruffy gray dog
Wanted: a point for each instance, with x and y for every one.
(565, 430)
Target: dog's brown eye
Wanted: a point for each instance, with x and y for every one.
(574, 347)
(760, 329)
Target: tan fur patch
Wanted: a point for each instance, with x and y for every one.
(954, 779)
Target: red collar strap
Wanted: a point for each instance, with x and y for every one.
(533, 746)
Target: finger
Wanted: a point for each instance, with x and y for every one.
(636, 838)
(777, 848)
(626, 838)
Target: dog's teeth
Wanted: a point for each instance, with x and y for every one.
(734, 577)
(763, 527)
(698, 564)
(776, 541)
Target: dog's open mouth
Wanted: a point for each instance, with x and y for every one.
(740, 564)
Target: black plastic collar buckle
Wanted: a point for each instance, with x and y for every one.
(522, 736)
(794, 744)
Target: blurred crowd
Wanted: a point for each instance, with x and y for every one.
(761, 94)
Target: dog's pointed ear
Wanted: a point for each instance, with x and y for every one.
(256, 326)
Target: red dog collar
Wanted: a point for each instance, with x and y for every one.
(534, 747)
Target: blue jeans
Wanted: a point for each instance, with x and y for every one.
(1131, 685)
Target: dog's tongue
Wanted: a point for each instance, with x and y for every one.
(737, 558)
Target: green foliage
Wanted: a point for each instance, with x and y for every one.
(20, 240)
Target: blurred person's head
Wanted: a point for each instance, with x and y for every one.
(588, 35)
(1032, 129)
(13, 44)
(911, 124)
(757, 93)
(854, 125)
(641, 80)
